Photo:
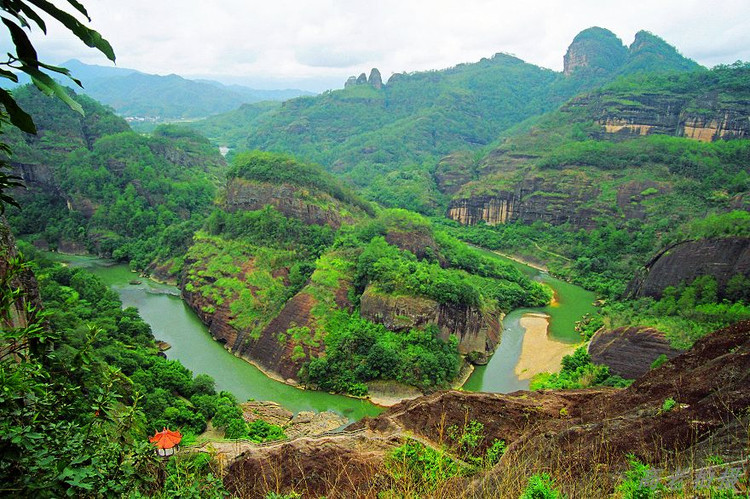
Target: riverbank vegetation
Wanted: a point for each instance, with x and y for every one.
(78, 409)
(101, 188)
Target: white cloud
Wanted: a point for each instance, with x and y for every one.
(316, 42)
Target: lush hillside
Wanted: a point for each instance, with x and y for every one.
(387, 138)
(301, 276)
(95, 185)
(599, 187)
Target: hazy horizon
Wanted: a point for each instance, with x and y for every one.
(316, 45)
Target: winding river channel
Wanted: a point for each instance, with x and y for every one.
(534, 339)
(172, 321)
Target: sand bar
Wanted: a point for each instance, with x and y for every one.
(539, 353)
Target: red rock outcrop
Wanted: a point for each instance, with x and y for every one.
(573, 434)
(292, 201)
(478, 333)
(683, 262)
(630, 351)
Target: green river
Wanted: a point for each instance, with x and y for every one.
(571, 303)
(172, 321)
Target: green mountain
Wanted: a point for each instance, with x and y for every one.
(150, 97)
(598, 188)
(598, 53)
(301, 276)
(387, 138)
(95, 185)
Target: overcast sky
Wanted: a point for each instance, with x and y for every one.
(317, 44)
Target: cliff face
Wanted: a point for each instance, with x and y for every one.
(24, 307)
(566, 198)
(292, 201)
(478, 333)
(598, 52)
(720, 258)
(595, 50)
(706, 118)
(243, 302)
(630, 351)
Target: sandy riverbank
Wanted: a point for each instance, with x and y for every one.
(539, 353)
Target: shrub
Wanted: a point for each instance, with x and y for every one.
(541, 486)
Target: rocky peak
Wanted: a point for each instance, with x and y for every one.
(375, 80)
(649, 52)
(595, 50)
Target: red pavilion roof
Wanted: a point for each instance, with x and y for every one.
(166, 439)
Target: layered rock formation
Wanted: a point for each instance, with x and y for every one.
(668, 114)
(478, 333)
(293, 201)
(630, 351)
(565, 198)
(683, 262)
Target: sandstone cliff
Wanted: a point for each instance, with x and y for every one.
(293, 201)
(478, 332)
(523, 196)
(706, 118)
(630, 351)
(244, 305)
(720, 258)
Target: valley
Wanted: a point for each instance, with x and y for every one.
(479, 281)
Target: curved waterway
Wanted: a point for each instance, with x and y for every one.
(533, 339)
(173, 321)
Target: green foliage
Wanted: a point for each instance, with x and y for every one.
(275, 495)
(279, 168)
(635, 485)
(261, 431)
(269, 227)
(423, 468)
(368, 135)
(395, 271)
(687, 312)
(76, 300)
(135, 198)
(190, 476)
(577, 372)
(69, 423)
(358, 351)
(494, 453)
(541, 486)
(668, 405)
(733, 223)
(659, 361)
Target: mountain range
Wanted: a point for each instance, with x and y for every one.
(147, 97)
(387, 137)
